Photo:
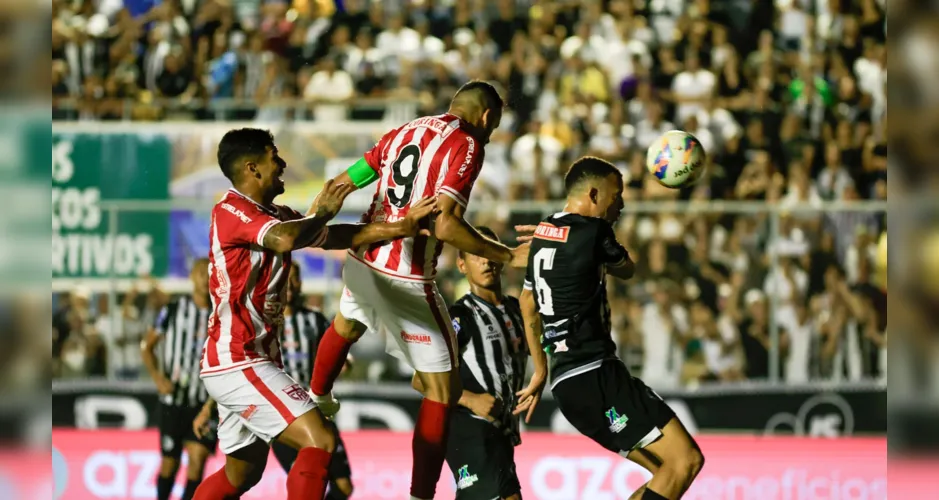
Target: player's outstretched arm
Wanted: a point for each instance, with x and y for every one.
(291, 235)
(353, 235)
(529, 397)
(453, 229)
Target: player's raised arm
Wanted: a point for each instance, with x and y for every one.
(310, 230)
(343, 236)
(613, 255)
(529, 397)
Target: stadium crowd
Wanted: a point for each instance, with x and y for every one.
(787, 96)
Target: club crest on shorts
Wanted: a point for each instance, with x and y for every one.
(167, 443)
(561, 346)
(617, 421)
(248, 412)
(296, 393)
(464, 479)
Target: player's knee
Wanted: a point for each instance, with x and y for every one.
(345, 486)
(196, 465)
(439, 387)
(169, 466)
(517, 496)
(348, 329)
(323, 439)
(687, 465)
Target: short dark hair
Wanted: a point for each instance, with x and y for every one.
(586, 168)
(485, 91)
(242, 143)
(485, 231)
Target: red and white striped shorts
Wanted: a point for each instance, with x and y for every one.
(258, 402)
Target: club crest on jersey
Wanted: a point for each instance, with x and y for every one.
(464, 478)
(617, 421)
(296, 393)
(551, 232)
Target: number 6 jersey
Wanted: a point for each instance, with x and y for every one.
(430, 156)
(566, 273)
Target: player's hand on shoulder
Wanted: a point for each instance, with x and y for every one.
(526, 232)
(329, 201)
(422, 211)
(520, 255)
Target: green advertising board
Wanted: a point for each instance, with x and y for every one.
(88, 169)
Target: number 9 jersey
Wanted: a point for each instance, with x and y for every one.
(566, 272)
(429, 156)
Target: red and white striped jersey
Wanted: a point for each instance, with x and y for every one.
(247, 285)
(430, 156)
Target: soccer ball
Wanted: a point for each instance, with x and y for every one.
(676, 159)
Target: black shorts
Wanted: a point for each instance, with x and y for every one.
(481, 458)
(176, 429)
(612, 407)
(338, 465)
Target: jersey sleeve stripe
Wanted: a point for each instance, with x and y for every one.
(454, 194)
(264, 229)
(527, 285)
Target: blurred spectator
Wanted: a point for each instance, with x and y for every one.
(664, 326)
(329, 85)
(754, 334)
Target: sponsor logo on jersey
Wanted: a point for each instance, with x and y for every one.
(238, 213)
(432, 122)
(415, 338)
(456, 325)
(617, 421)
(465, 479)
(551, 232)
(248, 412)
(470, 151)
(296, 393)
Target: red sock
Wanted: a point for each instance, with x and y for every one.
(429, 447)
(307, 477)
(330, 357)
(216, 487)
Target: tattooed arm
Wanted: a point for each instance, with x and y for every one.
(310, 230)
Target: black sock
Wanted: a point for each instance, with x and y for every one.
(191, 486)
(164, 487)
(651, 495)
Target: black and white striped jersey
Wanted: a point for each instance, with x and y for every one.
(493, 353)
(303, 329)
(182, 327)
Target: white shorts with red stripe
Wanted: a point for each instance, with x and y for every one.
(258, 402)
(412, 314)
